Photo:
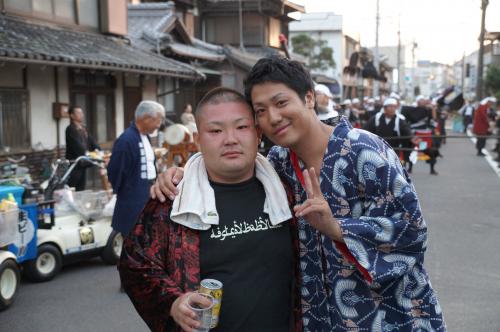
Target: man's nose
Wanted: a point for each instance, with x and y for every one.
(230, 137)
(274, 115)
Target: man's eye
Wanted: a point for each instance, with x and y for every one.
(281, 103)
(215, 131)
(243, 127)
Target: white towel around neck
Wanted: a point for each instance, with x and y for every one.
(194, 206)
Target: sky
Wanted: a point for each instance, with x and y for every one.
(443, 29)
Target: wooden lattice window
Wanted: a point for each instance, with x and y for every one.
(14, 119)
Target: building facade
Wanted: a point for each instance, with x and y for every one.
(465, 70)
(328, 27)
(59, 53)
(432, 77)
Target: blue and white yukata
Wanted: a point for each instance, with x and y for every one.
(383, 286)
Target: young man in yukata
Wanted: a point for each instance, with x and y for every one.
(362, 234)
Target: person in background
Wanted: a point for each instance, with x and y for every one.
(187, 115)
(346, 108)
(481, 125)
(131, 169)
(397, 97)
(356, 113)
(188, 120)
(423, 117)
(370, 109)
(442, 115)
(467, 112)
(389, 125)
(78, 143)
(497, 124)
(325, 105)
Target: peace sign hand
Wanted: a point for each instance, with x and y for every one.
(316, 210)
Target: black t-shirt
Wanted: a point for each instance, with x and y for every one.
(252, 258)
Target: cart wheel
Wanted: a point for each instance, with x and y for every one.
(9, 283)
(46, 266)
(111, 253)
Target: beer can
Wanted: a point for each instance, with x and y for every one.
(213, 287)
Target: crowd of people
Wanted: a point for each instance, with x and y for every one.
(418, 126)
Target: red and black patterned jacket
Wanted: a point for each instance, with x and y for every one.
(160, 261)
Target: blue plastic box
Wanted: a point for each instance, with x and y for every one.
(17, 191)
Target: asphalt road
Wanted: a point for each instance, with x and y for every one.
(83, 297)
(462, 209)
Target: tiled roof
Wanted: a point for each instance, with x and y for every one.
(194, 52)
(26, 42)
(149, 27)
(244, 59)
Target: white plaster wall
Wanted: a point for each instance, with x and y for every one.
(42, 94)
(119, 104)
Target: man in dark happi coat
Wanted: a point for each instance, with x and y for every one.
(423, 117)
(389, 125)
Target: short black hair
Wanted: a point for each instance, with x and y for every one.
(221, 95)
(278, 69)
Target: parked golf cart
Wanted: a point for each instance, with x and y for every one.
(16, 229)
(39, 238)
(71, 225)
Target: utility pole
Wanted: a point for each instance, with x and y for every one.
(479, 84)
(413, 64)
(376, 60)
(398, 88)
(240, 9)
(463, 75)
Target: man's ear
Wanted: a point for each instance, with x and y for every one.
(310, 99)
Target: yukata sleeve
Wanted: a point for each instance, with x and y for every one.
(386, 232)
(143, 268)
